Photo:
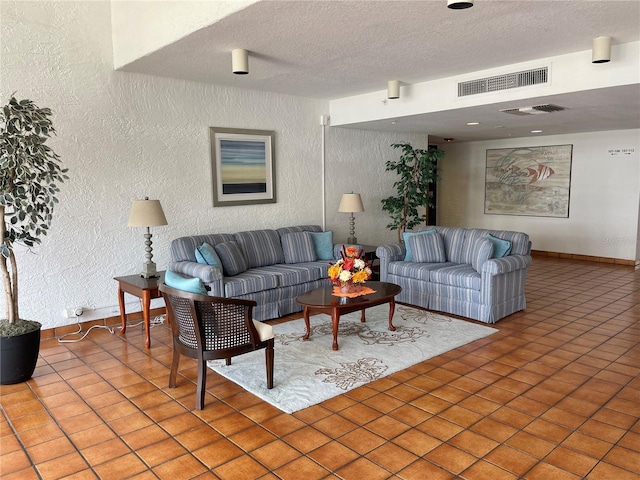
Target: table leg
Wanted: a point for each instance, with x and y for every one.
(363, 317)
(146, 316)
(123, 315)
(306, 324)
(392, 308)
(335, 322)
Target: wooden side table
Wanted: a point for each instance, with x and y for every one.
(144, 288)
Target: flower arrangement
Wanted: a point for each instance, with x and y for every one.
(351, 268)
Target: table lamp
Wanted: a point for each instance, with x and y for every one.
(351, 203)
(147, 213)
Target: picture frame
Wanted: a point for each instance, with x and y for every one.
(243, 166)
(533, 181)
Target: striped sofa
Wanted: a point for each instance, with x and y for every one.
(271, 278)
(468, 282)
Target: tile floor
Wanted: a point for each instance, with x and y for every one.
(554, 395)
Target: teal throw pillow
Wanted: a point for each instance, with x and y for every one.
(186, 284)
(323, 244)
(206, 255)
(501, 248)
(406, 236)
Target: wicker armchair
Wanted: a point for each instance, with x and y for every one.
(208, 328)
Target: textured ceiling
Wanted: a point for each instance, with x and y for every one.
(334, 49)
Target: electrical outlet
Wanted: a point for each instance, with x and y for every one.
(73, 312)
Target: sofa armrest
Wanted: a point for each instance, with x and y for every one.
(388, 254)
(210, 275)
(510, 263)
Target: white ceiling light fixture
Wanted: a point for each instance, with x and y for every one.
(601, 51)
(471, 124)
(240, 61)
(459, 4)
(393, 89)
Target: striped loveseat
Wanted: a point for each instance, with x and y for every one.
(272, 267)
(453, 270)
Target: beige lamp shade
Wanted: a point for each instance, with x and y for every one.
(146, 213)
(351, 203)
(240, 61)
(601, 52)
(393, 89)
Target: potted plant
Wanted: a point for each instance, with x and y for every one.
(418, 171)
(29, 175)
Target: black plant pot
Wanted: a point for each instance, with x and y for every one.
(18, 357)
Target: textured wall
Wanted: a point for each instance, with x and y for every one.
(124, 136)
(603, 206)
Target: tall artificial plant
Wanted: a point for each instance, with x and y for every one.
(418, 172)
(29, 175)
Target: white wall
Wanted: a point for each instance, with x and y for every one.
(124, 136)
(140, 28)
(605, 190)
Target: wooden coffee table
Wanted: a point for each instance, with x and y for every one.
(323, 301)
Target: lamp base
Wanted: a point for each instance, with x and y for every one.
(352, 240)
(149, 270)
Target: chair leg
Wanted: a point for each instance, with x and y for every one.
(227, 361)
(202, 383)
(269, 362)
(174, 368)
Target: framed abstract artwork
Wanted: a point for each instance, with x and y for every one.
(528, 181)
(243, 166)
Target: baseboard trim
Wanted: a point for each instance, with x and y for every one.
(112, 322)
(586, 258)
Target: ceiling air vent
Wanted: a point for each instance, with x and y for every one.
(525, 78)
(534, 110)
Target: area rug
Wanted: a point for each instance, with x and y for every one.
(309, 372)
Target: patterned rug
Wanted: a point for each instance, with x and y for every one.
(309, 372)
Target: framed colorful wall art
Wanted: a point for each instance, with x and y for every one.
(532, 181)
(243, 166)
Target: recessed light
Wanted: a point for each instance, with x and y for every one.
(499, 126)
(448, 139)
(536, 131)
(473, 123)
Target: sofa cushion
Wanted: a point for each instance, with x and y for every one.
(458, 276)
(420, 271)
(207, 255)
(233, 261)
(192, 285)
(453, 242)
(484, 249)
(323, 244)
(501, 248)
(405, 238)
(427, 248)
(274, 277)
(250, 281)
(183, 248)
(261, 247)
(298, 247)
